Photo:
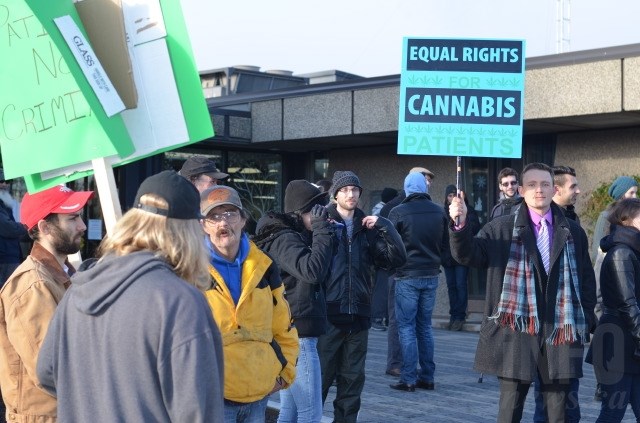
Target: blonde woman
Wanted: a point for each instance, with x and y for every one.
(133, 339)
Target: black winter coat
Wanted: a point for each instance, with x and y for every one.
(505, 206)
(349, 286)
(11, 233)
(423, 226)
(304, 260)
(617, 337)
(512, 354)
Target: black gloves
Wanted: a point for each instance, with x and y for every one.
(318, 215)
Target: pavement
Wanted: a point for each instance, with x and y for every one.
(460, 395)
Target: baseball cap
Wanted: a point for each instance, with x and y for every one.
(58, 199)
(218, 195)
(180, 194)
(198, 165)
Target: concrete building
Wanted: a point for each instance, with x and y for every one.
(582, 109)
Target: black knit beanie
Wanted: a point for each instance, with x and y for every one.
(451, 189)
(344, 178)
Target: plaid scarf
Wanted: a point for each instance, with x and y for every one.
(518, 309)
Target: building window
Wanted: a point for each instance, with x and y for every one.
(321, 167)
(258, 179)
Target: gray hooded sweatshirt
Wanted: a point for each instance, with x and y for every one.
(132, 342)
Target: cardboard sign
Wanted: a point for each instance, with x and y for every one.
(104, 23)
(171, 110)
(461, 97)
(49, 115)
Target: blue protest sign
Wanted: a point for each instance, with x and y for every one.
(461, 97)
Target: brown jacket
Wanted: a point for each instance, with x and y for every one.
(27, 302)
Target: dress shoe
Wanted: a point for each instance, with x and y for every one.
(429, 386)
(457, 325)
(393, 372)
(401, 386)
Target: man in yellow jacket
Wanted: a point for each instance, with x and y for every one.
(248, 304)
(30, 297)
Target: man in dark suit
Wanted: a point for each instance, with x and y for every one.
(537, 261)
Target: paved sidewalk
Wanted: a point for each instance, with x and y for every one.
(458, 396)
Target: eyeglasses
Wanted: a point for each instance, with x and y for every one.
(512, 183)
(228, 216)
(354, 190)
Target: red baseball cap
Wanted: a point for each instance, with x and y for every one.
(58, 199)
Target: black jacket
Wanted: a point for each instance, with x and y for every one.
(11, 233)
(349, 286)
(423, 226)
(386, 209)
(505, 206)
(304, 259)
(570, 213)
(617, 337)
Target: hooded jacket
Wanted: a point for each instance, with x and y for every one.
(260, 342)
(304, 259)
(133, 342)
(27, 303)
(349, 286)
(423, 227)
(617, 337)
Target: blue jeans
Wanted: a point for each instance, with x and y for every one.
(302, 402)
(251, 412)
(457, 288)
(415, 299)
(572, 406)
(616, 397)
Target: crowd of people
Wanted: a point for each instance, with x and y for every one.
(183, 316)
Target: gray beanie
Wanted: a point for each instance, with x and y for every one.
(620, 186)
(343, 178)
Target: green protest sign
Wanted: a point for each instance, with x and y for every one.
(49, 115)
(190, 110)
(461, 97)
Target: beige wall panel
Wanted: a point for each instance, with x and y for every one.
(376, 110)
(322, 115)
(631, 83)
(583, 89)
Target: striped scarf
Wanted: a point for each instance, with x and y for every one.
(518, 309)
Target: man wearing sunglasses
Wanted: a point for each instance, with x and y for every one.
(509, 197)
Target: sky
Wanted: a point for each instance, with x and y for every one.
(364, 37)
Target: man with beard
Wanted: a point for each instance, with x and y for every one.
(248, 305)
(30, 296)
(509, 197)
(566, 191)
(11, 232)
(363, 242)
